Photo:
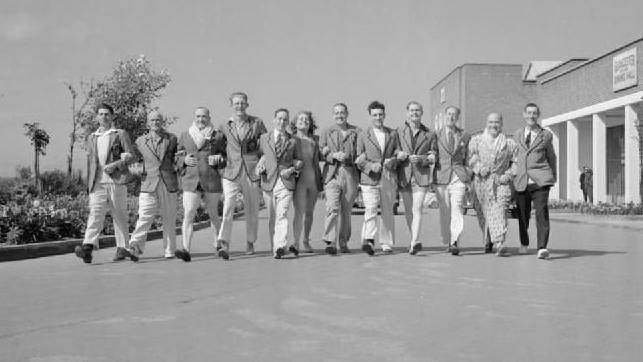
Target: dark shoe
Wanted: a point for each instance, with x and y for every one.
(330, 250)
(84, 252)
(279, 253)
(368, 247)
(454, 249)
(416, 248)
(250, 248)
(222, 250)
(293, 250)
(120, 254)
(344, 249)
(183, 255)
(488, 248)
(132, 256)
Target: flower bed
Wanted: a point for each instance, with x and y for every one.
(598, 209)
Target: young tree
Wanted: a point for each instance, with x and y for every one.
(39, 139)
(130, 89)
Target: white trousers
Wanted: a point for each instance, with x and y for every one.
(107, 197)
(413, 205)
(231, 190)
(191, 202)
(278, 202)
(382, 195)
(451, 198)
(149, 204)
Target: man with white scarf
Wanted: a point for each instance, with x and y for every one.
(200, 154)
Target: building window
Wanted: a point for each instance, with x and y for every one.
(443, 97)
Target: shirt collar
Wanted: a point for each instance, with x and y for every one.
(99, 133)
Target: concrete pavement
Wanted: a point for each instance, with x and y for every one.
(586, 303)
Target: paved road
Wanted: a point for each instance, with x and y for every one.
(585, 304)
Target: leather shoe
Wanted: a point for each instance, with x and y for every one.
(330, 250)
(279, 253)
(293, 250)
(183, 255)
(416, 248)
(454, 249)
(488, 248)
(133, 257)
(84, 252)
(250, 248)
(368, 248)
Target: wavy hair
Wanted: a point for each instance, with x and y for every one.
(312, 126)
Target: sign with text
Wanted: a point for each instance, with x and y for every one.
(624, 70)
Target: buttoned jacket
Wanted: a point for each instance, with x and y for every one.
(536, 161)
(424, 144)
(158, 158)
(454, 160)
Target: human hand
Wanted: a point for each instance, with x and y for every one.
(287, 172)
(401, 156)
(389, 163)
(325, 150)
(504, 179)
(110, 168)
(415, 159)
(339, 156)
(376, 167)
(125, 156)
(191, 160)
(431, 158)
(298, 164)
(260, 168)
(484, 171)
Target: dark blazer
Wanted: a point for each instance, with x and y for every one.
(119, 142)
(368, 146)
(456, 160)
(426, 143)
(158, 162)
(207, 176)
(538, 161)
(243, 154)
(316, 160)
(333, 139)
(275, 163)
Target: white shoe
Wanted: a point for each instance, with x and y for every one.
(502, 250)
(523, 250)
(543, 254)
(387, 248)
(169, 255)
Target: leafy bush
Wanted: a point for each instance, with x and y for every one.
(58, 182)
(598, 209)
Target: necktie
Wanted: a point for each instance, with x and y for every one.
(451, 138)
(279, 144)
(528, 139)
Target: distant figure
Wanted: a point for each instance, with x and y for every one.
(587, 184)
(109, 152)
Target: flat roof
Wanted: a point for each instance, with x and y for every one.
(473, 64)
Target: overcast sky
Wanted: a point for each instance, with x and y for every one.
(294, 53)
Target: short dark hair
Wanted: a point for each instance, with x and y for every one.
(105, 106)
(416, 103)
(238, 94)
(340, 104)
(453, 107)
(531, 104)
(282, 110)
(375, 105)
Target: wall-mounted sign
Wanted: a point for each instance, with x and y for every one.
(443, 96)
(624, 70)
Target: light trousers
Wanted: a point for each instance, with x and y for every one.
(107, 197)
(340, 195)
(191, 202)
(304, 200)
(413, 199)
(278, 202)
(231, 191)
(164, 203)
(451, 199)
(382, 195)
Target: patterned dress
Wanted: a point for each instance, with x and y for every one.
(493, 195)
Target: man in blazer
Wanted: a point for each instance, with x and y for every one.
(159, 185)
(338, 144)
(418, 151)
(109, 152)
(377, 150)
(453, 174)
(201, 152)
(242, 132)
(535, 170)
(277, 168)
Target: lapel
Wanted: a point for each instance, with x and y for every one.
(150, 145)
(232, 129)
(442, 138)
(165, 142)
(371, 137)
(94, 146)
(536, 141)
(251, 129)
(407, 137)
(335, 134)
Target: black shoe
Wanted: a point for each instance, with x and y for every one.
(368, 247)
(417, 247)
(84, 252)
(488, 248)
(128, 254)
(279, 253)
(222, 250)
(183, 255)
(454, 249)
(293, 250)
(120, 254)
(331, 250)
(344, 249)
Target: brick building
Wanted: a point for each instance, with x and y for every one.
(594, 108)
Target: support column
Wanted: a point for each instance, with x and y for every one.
(574, 192)
(554, 193)
(632, 156)
(599, 157)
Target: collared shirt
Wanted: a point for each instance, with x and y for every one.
(381, 137)
(102, 148)
(532, 136)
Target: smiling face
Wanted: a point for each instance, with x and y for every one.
(377, 117)
(303, 123)
(104, 117)
(531, 114)
(154, 121)
(201, 118)
(414, 112)
(239, 105)
(452, 115)
(340, 114)
(494, 124)
(281, 121)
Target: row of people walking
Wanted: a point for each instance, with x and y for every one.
(240, 157)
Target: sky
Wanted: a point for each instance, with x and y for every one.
(298, 54)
